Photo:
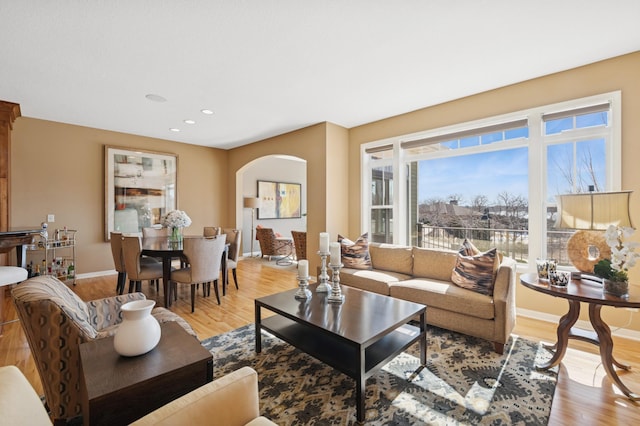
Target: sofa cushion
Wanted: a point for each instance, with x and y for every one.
(355, 254)
(389, 257)
(444, 295)
(476, 273)
(433, 263)
(376, 281)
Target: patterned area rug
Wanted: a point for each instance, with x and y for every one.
(465, 382)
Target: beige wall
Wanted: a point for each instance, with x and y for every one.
(324, 147)
(59, 168)
(620, 73)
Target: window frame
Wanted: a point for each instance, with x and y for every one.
(536, 144)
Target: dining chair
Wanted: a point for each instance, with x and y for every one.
(300, 243)
(270, 246)
(205, 258)
(136, 269)
(118, 261)
(233, 240)
(155, 232)
(211, 231)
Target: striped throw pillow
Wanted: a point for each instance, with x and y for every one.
(355, 255)
(476, 273)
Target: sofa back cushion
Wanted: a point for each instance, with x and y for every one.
(389, 257)
(433, 263)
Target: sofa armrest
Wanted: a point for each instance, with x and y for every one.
(504, 299)
(18, 400)
(106, 312)
(230, 400)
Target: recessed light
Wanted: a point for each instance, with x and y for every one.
(190, 121)
(155, 98)
(206, 111)
(173, 129)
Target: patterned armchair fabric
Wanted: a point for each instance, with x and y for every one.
(300, 242)
(269, 246)
(56, 321)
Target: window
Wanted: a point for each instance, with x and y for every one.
(494, 180)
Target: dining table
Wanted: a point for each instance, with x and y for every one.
(166, 249)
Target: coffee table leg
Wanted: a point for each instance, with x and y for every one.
(258, 326)
(361, 383)
(423, 339)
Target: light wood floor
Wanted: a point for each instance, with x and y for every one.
(584, 394)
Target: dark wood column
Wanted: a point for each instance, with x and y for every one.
(9, 111)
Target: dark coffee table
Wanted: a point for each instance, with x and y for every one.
(119, 390)
(357, 337)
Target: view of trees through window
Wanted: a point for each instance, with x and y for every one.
(487, 186)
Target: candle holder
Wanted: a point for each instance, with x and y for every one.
(303, 292)
(336, 295)
(323, 285)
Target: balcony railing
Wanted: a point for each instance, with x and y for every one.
(511, 242)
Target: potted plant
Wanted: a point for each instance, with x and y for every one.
(613, 271)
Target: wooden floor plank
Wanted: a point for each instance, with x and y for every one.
(584, 394)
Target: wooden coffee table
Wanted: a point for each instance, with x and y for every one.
(119, 390)
(357, 337)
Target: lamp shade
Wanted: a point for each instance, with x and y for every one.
(593, 210)
(251, 202)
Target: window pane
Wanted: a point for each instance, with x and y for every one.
(593, 119)
(381, 185)
(556, 126)
(381, 225)
(481, 196)
(522, 132)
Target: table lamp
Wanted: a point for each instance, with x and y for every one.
(252, 203)
(590, 213)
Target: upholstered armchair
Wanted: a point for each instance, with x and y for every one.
(56, 321)
(270, 246)
(300, 243)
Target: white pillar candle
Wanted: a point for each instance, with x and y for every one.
(324, 242)
(303, 268)
(334, 252)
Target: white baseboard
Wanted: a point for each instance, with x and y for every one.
(96, 274)
(586, 325)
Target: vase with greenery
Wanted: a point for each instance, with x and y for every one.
(614, 271)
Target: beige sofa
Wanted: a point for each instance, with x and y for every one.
(423, 275)
(230, 400)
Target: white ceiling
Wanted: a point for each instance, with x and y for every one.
(266, 67)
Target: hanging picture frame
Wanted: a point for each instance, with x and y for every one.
(140, 187)
(279, 200)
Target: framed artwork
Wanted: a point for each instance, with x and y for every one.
(140, 187)
(279, 200)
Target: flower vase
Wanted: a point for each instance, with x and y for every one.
(616, 288)
(176, 234)
(139, 331)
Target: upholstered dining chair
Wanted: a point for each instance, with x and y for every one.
(118, 261)
(270, 246)
(211, 231)
(233, 239)
(300, 243)
(56, 321)
(204, 256)
(136, 269)
(155, 232)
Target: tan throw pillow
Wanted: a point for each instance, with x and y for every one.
(355, 255)
(476, 273)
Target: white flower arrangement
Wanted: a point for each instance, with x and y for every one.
(176, 219)
(623, 255)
